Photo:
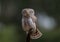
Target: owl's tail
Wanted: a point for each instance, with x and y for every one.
(36, 35)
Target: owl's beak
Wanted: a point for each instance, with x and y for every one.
(27, 14)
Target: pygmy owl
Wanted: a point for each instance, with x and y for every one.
(29, 23)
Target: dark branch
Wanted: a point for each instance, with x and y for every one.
(28, 39)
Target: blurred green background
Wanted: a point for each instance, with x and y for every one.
(10, 19)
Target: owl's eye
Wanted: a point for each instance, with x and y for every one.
(24, 12)
(31, 11)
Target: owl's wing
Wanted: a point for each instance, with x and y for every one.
(37, 34)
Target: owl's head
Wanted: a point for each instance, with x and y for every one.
(28, 12)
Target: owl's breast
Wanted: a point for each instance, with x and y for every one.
(26, 25)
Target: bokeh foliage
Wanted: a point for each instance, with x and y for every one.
(10, 19)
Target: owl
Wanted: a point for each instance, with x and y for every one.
(29, 23)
